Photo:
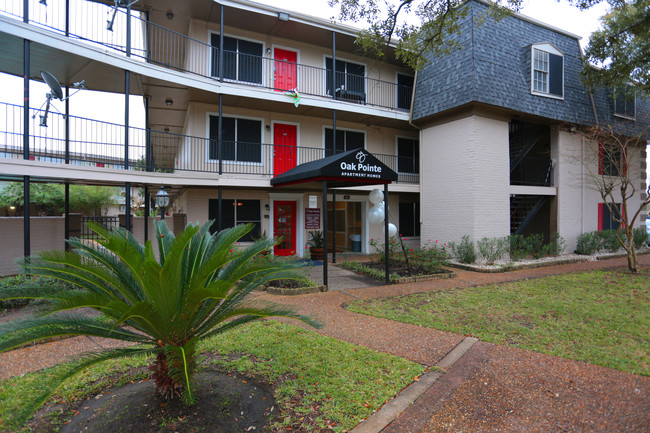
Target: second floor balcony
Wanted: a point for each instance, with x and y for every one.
(102, 145)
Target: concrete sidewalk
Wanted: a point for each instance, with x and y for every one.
(490, 388)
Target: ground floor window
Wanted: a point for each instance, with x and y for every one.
(606, 217)
(409, 219)
(235, 212)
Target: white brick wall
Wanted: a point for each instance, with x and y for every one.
(464, 179)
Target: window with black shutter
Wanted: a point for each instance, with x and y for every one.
(349, 80)
(236, 212)
(404, 91)
(408, 155)
(242, 60)
(625, 102)
(547, 71)
(241, 139)
(345, 140)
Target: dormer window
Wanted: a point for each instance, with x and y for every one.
(547, 71)
(624, 102)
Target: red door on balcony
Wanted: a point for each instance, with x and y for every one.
(286, 69)
(284, 227)
(285, 139)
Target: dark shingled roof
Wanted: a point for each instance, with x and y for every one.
(494, 68)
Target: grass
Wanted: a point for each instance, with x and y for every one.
(601, 317)
(320, 382)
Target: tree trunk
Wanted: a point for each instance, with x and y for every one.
(165, 384)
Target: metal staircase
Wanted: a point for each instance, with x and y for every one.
(523, 209)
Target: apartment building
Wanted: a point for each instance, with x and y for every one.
(237, 93)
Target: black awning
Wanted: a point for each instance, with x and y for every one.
(351, 168)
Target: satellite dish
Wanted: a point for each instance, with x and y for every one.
(55, 87)
(55, 93)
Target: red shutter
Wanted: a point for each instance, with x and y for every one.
(600, 216)
(601, 158)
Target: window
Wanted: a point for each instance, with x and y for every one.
(547, 71)
(345, 140)
(611, 161)
(241, 139)
(625, 102)
(409, 219)
(350, 82)
(236, 212)
(408, 155)
(404, 91)
(242, 60)
(605, 217)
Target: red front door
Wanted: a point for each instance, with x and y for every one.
(285, 139)
(286, 69)
(284, 215)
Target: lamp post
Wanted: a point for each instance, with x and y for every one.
(162, 201)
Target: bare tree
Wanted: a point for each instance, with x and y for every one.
(621, 185)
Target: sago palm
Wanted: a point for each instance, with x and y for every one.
(196, 289)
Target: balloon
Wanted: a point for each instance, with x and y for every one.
(375, 215)
(376, 195)
(392, 229)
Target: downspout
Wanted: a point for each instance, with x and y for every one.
(415, 81)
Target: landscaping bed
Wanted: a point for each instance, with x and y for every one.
(399, 272)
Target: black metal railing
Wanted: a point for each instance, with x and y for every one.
(158, 45)
(107, 222)
(101, 144)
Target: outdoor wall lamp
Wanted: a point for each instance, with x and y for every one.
(170, 15)
(268, 128)
(162, 201)
(283, 16)
(267, 207)
(169, 102)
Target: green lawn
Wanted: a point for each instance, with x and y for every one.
(602, 317)
(346, 382)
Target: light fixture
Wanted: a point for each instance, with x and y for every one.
(162, 201)
(268, 128)
(267, 206)
(268, 51)
(283, 16)
(166, 129)
(170, 15)
(14, 207)
(169, 102)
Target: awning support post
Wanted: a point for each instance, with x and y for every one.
(386, 246)
(325, 233)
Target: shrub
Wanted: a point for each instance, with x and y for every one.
(378, 248)
(432, 256)
(557, 245)
(609, 241)
(492, 249)
(518, 247)
(464, 250)
(588, 243)
(640, 237)
(536, 245)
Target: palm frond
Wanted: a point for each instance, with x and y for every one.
(20, 332)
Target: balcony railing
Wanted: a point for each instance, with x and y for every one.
(101, 144)
(158, 45)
